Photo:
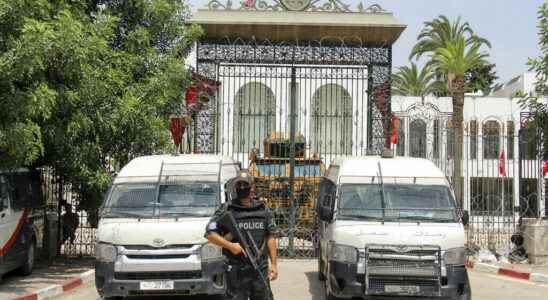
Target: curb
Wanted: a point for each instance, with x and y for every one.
(487, 268)
(59, 289)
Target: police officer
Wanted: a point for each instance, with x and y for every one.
(253, 216)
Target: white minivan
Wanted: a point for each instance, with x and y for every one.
(390, 227)
(21, 220)
(150, 238)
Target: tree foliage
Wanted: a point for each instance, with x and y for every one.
(456, 58)
(482, 79)
(87, 85)
(536, 103)
(412, 81)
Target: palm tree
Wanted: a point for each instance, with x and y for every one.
(440, 31)
(412, 81)
(454, 60)
(436, 34)
(453, 49)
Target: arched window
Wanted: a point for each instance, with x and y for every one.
(417, 138)
(331, 130)
(528, 141)
(491, 140)
(401, 138)
(254, 116)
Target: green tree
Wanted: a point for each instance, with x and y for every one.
(539, 65)
(481, 79)
(85, 86)
(412, 81)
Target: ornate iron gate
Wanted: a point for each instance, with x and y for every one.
(326, 99)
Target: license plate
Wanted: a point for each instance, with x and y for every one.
(156, 285)
(402, 289)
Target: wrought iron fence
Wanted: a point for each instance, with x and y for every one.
(502, 172)
(76, 230)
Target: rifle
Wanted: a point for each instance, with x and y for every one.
(251, 251)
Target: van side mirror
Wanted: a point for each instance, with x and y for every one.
(326, 212)
(465, 218)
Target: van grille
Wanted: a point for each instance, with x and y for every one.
(416, 267)
(158, 275)
(174, 256)
(147, 247)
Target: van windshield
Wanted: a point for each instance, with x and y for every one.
(188, 199)
(401, 202)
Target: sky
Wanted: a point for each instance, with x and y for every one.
(510, 26)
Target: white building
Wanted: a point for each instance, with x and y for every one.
(524, 83)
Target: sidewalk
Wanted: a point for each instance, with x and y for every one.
(534, 273)
(57, 275)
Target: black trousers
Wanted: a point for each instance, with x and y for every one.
(244, 283)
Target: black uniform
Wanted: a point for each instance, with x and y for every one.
(242, 280)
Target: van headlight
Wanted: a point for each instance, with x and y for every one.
(343, 253)
(455, 256)
(209, 251)
(105, 252)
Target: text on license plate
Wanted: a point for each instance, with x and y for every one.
(403, 289)
(156, 285)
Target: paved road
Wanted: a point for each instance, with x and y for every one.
(298, 280)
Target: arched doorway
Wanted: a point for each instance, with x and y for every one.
(417, 138)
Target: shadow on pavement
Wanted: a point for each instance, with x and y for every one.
(315, 286)
(14, 285)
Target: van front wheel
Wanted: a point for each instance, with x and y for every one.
(328, 295)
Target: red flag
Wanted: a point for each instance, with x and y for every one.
(177, 130)
(502, 164)
(545, 168)
(249, 3)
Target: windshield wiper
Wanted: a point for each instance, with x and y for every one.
(121, 214)
(361, 217)
(425, 218)
(183, 214)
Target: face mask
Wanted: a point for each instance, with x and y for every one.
(243, 193)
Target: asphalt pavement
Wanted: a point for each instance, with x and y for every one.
(298, 280)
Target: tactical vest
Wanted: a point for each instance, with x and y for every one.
(252, 219)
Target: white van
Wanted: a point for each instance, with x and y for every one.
(390, 227)
(150, 238)
(21, 220)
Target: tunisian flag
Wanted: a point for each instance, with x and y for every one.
(545, 168)
(396, 123)
(502, 164)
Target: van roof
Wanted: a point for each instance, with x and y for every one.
(367, 166)
(150, 166)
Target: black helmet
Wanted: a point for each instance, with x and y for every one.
(238, 185)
